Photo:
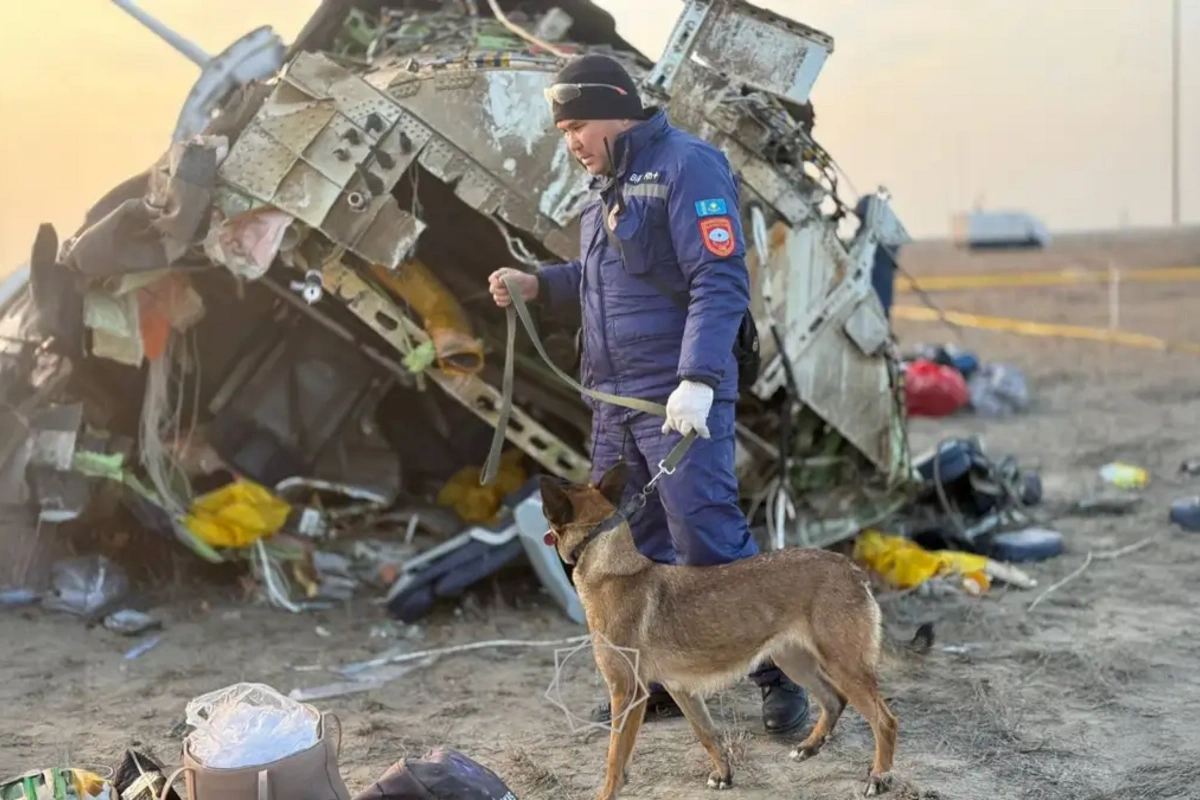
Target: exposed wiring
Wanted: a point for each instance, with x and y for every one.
(524, 34)
(350, 670)
(516, 247)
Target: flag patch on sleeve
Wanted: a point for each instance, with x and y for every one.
(714, 207)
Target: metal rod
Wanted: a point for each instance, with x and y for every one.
(190, 50)
(1176, 48)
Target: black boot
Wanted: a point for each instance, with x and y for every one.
(785, 706)
(659, 705)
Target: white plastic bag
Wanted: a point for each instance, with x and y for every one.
(248, 724)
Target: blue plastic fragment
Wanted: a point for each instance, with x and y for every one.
(1030, 544)
(1186, 513)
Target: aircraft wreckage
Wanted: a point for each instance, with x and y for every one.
(296, 297)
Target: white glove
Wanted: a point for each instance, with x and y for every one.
(687, 409)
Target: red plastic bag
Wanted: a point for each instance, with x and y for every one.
(933, 390)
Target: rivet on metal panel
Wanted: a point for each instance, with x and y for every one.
(404, 90)
(357, 200)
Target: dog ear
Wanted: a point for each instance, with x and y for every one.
(555, 503)
(612, 484)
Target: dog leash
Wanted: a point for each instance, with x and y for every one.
(518, 310)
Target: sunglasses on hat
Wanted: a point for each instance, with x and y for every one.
(561, 93)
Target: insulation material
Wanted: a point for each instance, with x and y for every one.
(116, 327)
(169, 304)
(904, 564)
(236, 515)
(479, 504)
(247, 242)
(457, 348)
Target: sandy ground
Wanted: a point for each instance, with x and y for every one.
(1094, 694)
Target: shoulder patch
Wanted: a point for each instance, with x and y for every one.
(717, 233)
(711, 208)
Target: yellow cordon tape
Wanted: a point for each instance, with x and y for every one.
(1024, 327)
(1022, 280)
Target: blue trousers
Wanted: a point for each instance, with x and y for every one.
(693, 517)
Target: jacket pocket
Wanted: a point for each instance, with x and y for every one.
(641, 236)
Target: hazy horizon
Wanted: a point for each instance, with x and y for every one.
(1063, 111)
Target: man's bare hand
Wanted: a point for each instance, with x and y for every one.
(526, 284)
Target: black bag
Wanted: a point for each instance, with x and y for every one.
(443, 774)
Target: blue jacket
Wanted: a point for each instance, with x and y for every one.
(681, 225)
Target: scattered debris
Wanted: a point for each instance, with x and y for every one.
(55, 783)
(1124, 476)
(903, 565)
(129, 622)
(85, 585)
(441, 774)
(363, 681)
(1106, 504)
(1186, 513)
(139, 650)
(933, 390)
(998, 390)
(1028, 544)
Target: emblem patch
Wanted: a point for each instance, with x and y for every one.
(711, 208)
(717, 233)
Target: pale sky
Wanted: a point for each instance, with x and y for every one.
(1060, 107)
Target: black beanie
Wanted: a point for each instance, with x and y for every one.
(598, 102)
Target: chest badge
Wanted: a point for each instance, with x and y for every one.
(717, 234)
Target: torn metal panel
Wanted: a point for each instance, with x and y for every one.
(822, 302)
(499, 146)
(764, 50)
(327, 148)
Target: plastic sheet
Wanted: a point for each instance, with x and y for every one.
(933, 390)
(236, 515)
(82, 585)
(904, 564)
(998, 390)
(248, 724)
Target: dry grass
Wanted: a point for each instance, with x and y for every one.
(529, 776)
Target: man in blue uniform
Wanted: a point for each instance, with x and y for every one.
(663, 288)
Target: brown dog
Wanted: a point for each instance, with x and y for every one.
(697, 630)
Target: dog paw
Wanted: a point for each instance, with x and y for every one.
(717, 781)
(877, 784)
(804, 753)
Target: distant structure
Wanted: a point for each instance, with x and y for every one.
(991, 230)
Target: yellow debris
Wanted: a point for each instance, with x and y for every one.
(479, 504)
(458, 350)
(904, 564)
(236, 515)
